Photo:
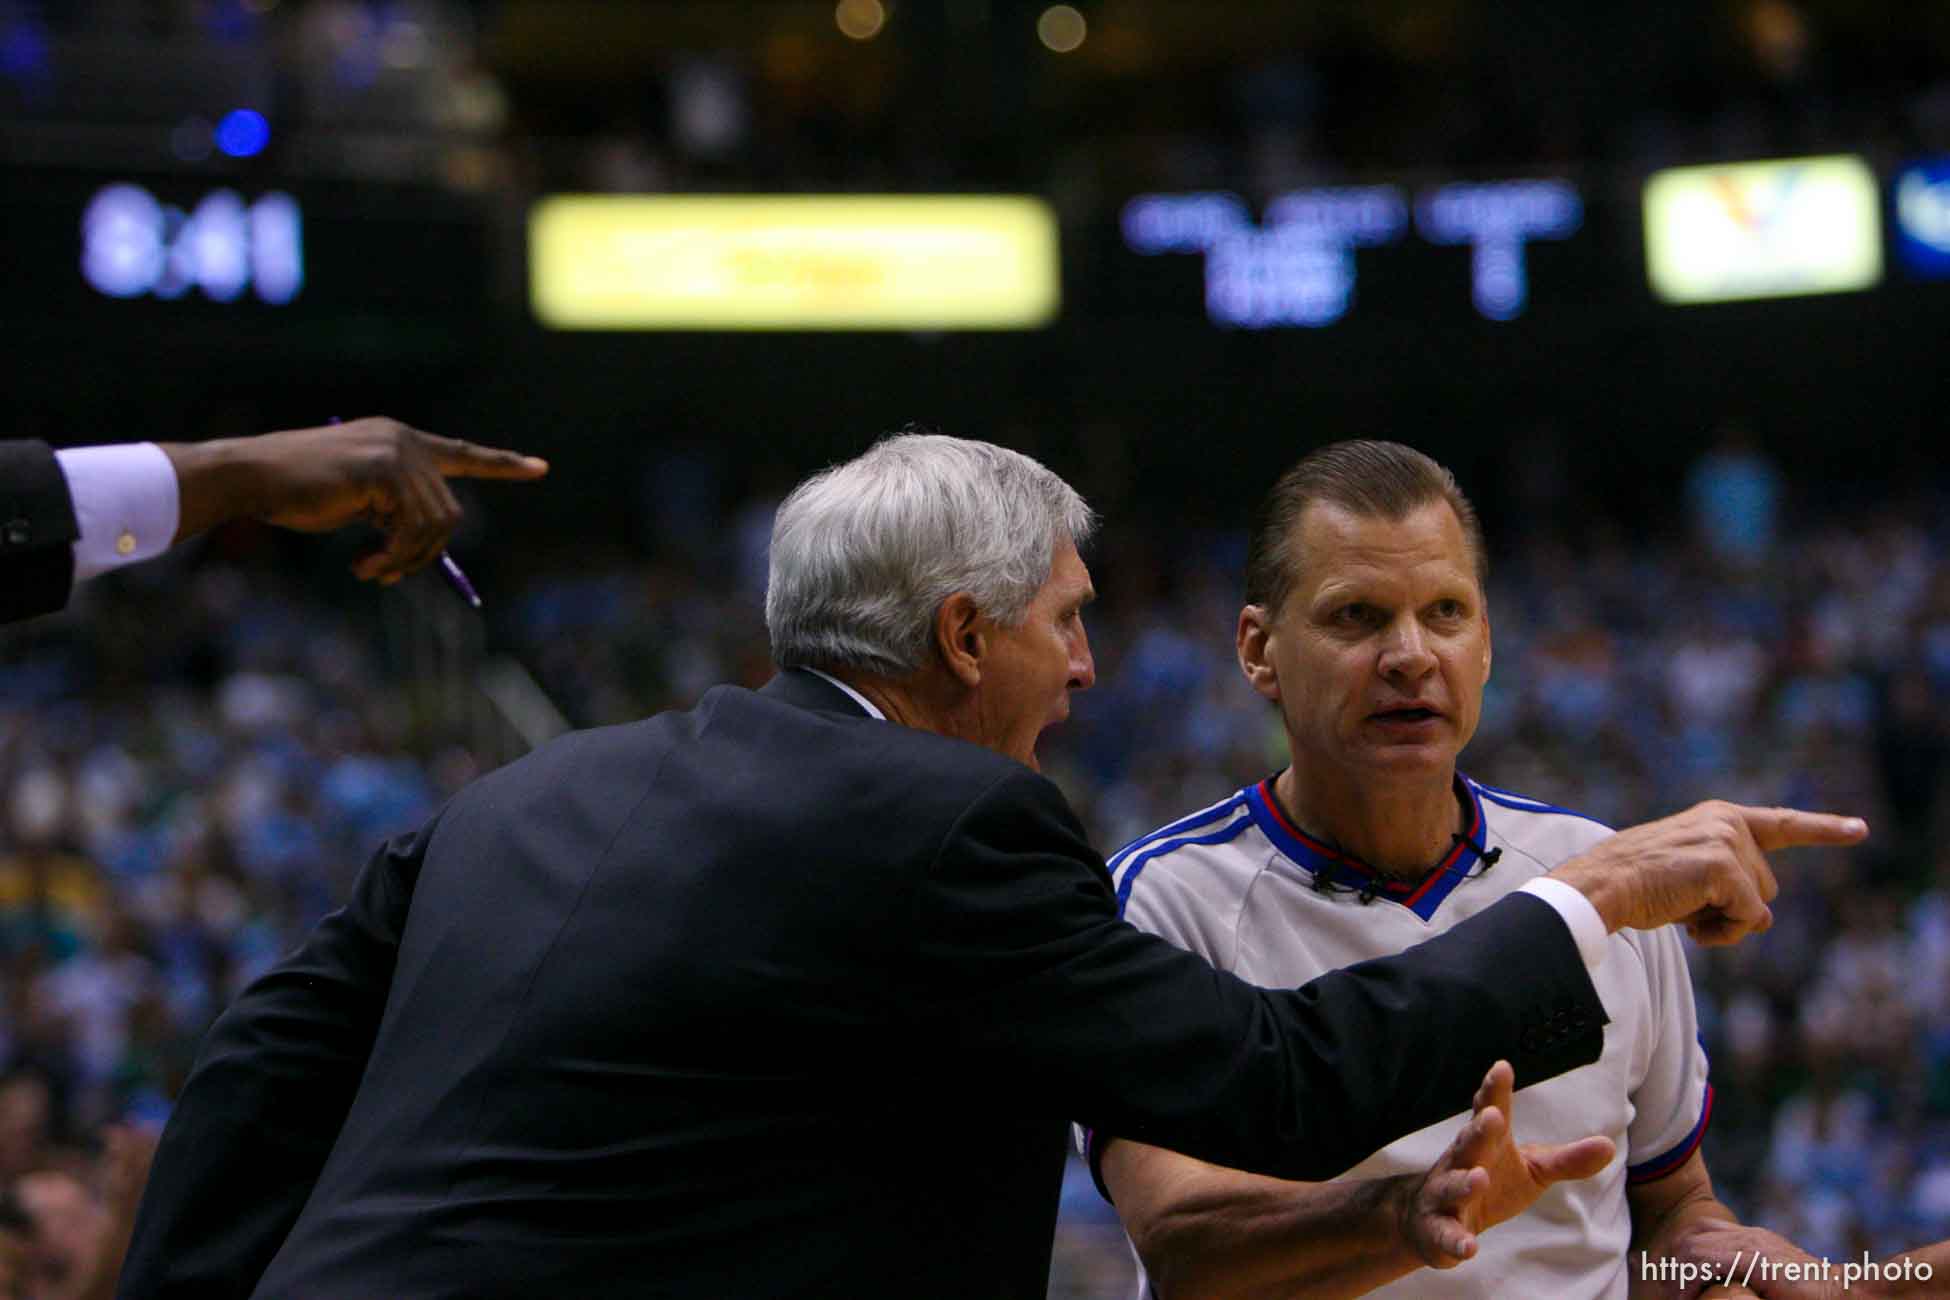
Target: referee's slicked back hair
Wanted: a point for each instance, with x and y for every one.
(864, 553)
(1383, 480)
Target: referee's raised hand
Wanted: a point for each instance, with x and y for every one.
(1705, 868)
(1485, 1178)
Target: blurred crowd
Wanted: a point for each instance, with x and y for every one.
(192, 765)
(197, 756)
(863, 94)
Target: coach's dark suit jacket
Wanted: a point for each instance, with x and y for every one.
(37, 531)
(772, 999)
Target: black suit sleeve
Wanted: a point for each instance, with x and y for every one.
(1040, 991)
(263, 1106)
(37, 532)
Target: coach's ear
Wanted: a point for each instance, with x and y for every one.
(961, 637)
(1254, 643)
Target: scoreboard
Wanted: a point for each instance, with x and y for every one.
(97, 248)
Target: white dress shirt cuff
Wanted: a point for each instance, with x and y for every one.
(1587, 927)
(125, 502)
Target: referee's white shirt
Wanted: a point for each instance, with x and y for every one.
(1235, 883)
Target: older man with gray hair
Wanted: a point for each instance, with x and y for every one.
(792, 993)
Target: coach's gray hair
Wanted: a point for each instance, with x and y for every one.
(864, 553)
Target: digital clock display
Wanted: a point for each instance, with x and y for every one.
(134, 245)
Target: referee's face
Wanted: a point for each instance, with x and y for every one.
(1379, 656)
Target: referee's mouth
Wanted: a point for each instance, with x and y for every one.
(1409, 718)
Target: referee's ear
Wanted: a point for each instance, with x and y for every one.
(1253, 643)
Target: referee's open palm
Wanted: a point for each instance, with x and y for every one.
(1485, 1178)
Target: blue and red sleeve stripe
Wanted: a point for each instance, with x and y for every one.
(1659, 1166)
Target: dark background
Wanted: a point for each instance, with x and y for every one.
(414, 301)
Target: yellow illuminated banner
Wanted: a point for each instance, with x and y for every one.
(1763, 229)
(687, 262)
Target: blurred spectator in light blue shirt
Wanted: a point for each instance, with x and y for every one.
(1733, 493)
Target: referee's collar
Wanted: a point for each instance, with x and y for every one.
(1323, 861)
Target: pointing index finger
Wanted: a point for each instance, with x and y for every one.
(1780, 828)
(457, 459)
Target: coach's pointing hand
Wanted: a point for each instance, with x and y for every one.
(314, 480)
(1705, 868)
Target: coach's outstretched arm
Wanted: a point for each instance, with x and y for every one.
(1138, 1039)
